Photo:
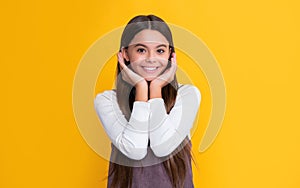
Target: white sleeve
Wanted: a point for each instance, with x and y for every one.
(130, 137)
(167, 131)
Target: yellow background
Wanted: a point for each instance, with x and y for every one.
(255, 43)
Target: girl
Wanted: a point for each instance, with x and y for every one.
(149, 115)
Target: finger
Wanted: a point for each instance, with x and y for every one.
(173, 59)
(121, 60)
(120, 57)
(173, 63)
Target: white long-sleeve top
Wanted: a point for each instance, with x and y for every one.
(148, 121)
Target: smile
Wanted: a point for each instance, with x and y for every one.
(149, 69)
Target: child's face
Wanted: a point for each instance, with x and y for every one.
(148, 54)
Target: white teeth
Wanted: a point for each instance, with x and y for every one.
(150, 68)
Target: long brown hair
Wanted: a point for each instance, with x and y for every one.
(176, 164)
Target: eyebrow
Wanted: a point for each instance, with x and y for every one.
(161, 45)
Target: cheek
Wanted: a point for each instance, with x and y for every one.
(133, 61)
(165, 62)
(134, 66)
(134, 58)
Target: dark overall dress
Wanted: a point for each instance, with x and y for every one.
(147, 175)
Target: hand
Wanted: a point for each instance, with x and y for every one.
(167, 76)
(134, 79)
(128, 75)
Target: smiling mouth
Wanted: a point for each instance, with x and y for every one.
(149, 69)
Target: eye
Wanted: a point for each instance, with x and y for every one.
(160, 51)
(141, 50)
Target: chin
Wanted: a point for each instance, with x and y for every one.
(150, 78)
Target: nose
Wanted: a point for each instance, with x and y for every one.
(150, 57)
(149, 60)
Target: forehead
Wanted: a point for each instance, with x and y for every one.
(150, 37)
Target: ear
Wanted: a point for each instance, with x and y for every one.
(125, 53)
